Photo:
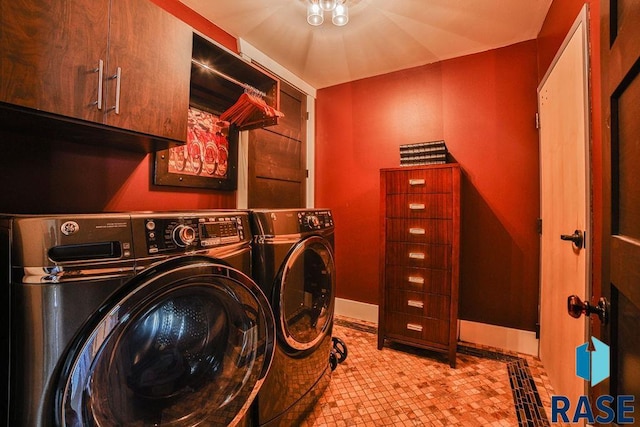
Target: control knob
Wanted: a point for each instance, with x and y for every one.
(313, 221)
(184, 235)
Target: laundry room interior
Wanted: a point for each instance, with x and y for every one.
(323, 169)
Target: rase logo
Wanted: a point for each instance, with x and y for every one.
(593, 366)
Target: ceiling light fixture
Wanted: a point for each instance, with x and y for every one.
(328, 5)
(338, 8)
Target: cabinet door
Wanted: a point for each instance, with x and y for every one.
(153, 51)
(49, 55)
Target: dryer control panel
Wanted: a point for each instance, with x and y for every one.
(315, 220)
(286, 222)
(184, 234)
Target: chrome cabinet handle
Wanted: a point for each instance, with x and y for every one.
(415, 303)
(416, 181)
(417, 231)
(416, 206)
(416, 255)
(100, 71)
(414, 327)
(416, 279)
(118, 78)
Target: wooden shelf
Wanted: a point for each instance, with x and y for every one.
(211, 92)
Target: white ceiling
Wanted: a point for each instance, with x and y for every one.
(382, 35)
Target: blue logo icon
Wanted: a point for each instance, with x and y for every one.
(593, 365)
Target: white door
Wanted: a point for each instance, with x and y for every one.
(564, 140)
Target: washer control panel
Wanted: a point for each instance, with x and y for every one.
(220, 231)
(183, 234)
(314, 220)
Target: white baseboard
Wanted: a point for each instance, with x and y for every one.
(499, 336)
(472, 332)
(357, 310)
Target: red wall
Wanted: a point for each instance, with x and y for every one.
(483, 106)
(38, 175)
(48, 176)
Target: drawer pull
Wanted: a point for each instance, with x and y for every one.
(416, 181)
(416, 255)
(100, 71)
(118, 78)
(417, 231)
(415, 303)
(416, 279)
(416, 206)
(414, 327)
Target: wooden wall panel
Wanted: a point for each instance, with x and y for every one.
(277, 156)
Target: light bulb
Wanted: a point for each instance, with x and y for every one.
(340, 15)
(328, 4)
(314, 14)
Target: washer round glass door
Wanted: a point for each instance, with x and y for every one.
(306, 293)
(186, 343)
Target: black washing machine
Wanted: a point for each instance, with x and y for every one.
(294, 265)
(131, 319)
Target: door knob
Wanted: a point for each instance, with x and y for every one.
(576, 308)
(577, 238)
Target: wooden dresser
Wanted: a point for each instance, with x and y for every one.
(419, 257)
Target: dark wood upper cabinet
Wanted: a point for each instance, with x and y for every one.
(81, 59)
(50, 53)
(153, 51)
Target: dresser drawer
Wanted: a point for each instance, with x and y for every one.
(419, 304)
(419, 230)
(419, 206)
(418, 328)
(427, 280)
(419, 181)
(416, 255)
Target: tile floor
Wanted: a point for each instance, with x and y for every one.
(402, 386)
